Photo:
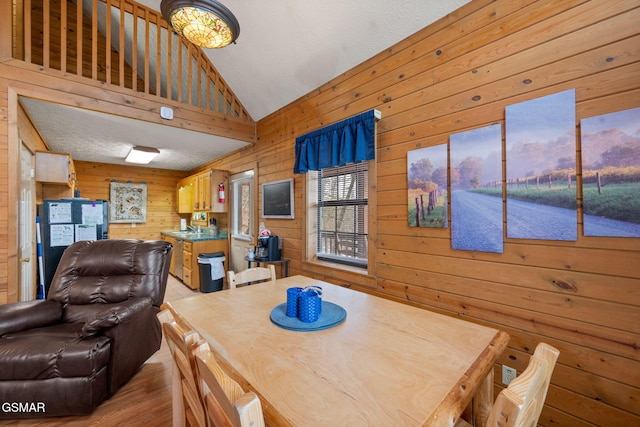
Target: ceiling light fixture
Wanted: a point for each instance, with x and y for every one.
(141, 155)
(205, 23)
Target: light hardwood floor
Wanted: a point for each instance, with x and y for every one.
(144, 400)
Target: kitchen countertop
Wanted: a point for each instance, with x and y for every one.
(192, 236)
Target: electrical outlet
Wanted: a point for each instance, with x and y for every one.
(508, 374)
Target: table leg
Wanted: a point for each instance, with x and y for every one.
(483, 401)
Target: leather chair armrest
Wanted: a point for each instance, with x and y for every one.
(113, 315)
(23, 315)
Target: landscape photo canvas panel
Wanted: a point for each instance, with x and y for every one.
(541, 168)
(427, 187)
(476, 189)
(610, 146)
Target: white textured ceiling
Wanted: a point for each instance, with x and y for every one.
(286, 49)
(97, 137)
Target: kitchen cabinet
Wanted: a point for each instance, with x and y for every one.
(56, 173)
(199, 192)
(172, 266)
(55, 168)
(184, 262)
(185, 195)
(202, 201)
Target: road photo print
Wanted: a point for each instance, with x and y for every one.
(476, 189)
(541, 168)
(427, 187)
(610, 146)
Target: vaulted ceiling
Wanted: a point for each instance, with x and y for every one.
(286, 49)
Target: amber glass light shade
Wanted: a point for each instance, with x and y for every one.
(205, 23)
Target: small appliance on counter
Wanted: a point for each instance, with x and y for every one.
(268, 248)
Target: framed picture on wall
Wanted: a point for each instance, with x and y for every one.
(277, 199)
(128, 202)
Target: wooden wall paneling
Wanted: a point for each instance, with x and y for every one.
(546, 301)
(6, 34)
(5, 292)
(599, 374)
(94, 182)
(467, 56)
(592, 368)
(87, 94)
(580, 296)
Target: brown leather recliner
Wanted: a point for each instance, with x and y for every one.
(66, 354)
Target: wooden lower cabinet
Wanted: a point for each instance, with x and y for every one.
(172, 267)
(191, 272)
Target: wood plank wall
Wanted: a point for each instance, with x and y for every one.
(94, 182)
(457, 74)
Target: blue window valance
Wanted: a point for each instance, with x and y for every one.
(349, 141)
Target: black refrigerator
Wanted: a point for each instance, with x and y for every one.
(65, 221)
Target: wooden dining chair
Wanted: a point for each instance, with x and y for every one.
(251, 275)
(520, 404)
(226, 404)
(188, 409)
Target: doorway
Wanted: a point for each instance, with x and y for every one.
(26, 225)
(242, 218)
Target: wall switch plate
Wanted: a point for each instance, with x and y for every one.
(508, 374)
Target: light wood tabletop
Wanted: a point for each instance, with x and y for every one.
(387, 364)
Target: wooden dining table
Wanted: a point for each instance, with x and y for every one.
(386, 364)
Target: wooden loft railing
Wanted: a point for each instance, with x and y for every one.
(119, 42)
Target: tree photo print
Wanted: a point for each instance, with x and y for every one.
(541, 168)
(541, 179)
(427, 187)
(476, 190)
(611, 174)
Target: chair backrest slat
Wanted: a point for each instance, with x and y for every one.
(256, 274)
(520, 404)
(225, 401)
(180, 342)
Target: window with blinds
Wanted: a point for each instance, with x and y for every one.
(343, 214)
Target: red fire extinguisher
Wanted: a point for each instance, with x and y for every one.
(221, 192)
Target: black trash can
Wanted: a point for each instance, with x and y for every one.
(211, 271)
